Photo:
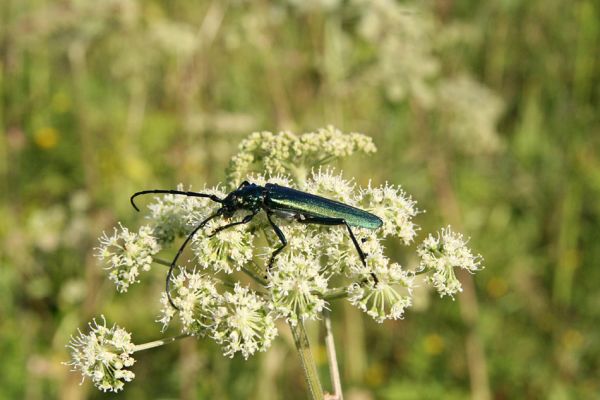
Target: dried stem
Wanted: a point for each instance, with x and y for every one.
(332, 358)
(157, 343)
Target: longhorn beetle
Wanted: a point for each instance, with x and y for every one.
(277, 200)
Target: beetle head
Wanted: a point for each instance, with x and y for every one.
(247, 196)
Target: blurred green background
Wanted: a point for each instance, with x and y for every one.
(486, 112)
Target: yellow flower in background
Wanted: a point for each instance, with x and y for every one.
(375, 375)
(572, 339)
(46, 137)
(434, 344)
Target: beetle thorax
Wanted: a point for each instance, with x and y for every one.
(249, 197)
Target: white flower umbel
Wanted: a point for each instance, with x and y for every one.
(386, 299)
(302, 241)
(174, 216)
(196, 297)
(286, 153)
(242, 323)
(375, 257)
(103, 355)
(472, 132)
(325, 183)
(125, 254)
(394, 207)
(331, 142)
(228, 250)
(296, 286)
(440, 255)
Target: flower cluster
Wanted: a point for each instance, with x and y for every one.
(228, 251)
(243, 323)
(196, 297)
(395, 208)
(317, 264)
(173, 216)
(103, 355)
(472, 132)
(296, 287)
(286, 152)
(240, 320)
(326, 183)
(125, 254)
(406, 63)
(440, 255)
(386, 299)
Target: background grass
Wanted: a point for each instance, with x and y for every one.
(486, 112)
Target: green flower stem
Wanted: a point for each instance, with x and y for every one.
(339, 293)
(161, 262)
(308, 363)
(226, 283)
(157, 343)
(334, 294)
(254, 276)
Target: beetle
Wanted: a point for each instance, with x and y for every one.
(305, 208)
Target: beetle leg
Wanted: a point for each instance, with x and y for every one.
(335, 222)
(246, 219)
(174, 262)
(281, 237)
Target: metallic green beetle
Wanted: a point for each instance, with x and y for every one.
(277, 200)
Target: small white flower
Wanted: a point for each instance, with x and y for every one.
(394, 207)
(196, 297)
(228, 250)
(335, 249)
(302, 241)
(288, 154)
(261, 151)
(331, 142)
(259, 179)
(440, 255)
(103, 355)
(375, 258)
(386, 299)
(296, 288)
(175, 216)
(242, 323)
(325, 183)
(125, 254)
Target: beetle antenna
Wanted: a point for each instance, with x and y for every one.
(183, 193)
(174, 262)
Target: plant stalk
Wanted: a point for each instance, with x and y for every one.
(157, 343)
(334, 294)
(334, 371)
(308, 363)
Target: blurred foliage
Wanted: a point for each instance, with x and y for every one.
(487, 112)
